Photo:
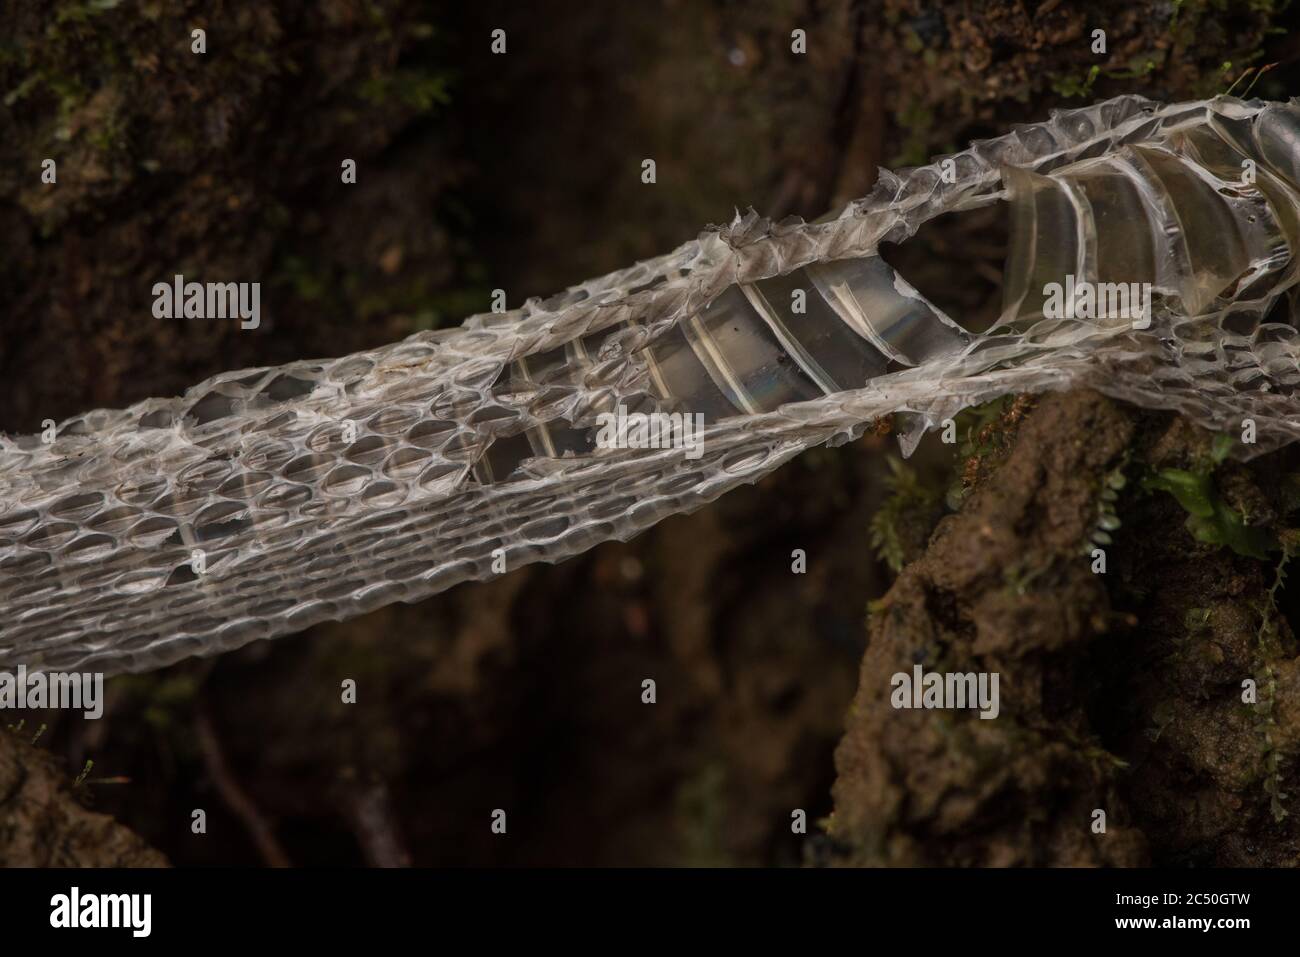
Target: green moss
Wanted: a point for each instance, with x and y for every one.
(1071, 86)
(1093, 753)
(899, 527)
(420, 90)
(985, 432)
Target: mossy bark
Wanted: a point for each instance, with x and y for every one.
(44, 824)
(1120, 690)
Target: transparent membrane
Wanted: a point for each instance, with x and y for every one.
(326, 488)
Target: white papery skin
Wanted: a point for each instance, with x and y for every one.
(323, 489)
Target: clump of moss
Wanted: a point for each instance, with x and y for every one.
(986, 433)
(903, 522)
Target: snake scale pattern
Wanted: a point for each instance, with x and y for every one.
(267, 500)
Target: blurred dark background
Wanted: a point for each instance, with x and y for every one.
(522, 172)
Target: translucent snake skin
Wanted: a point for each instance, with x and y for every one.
(323, 489)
